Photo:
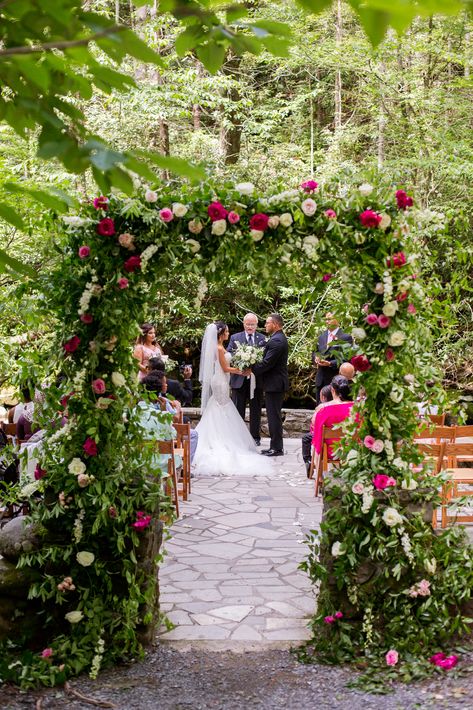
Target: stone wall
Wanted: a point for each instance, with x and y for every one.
(296, 421)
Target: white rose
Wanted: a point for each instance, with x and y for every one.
(77, 466)
(219, 227)
(286, 219)
(379, 288)
(390, 309)
(256, 235)
(151, 196)
(358, 333)
(337, 549)
(74, 617)
(431, 565)
(118, 379)
(245, 188)
(392, 517)
(195, 226)
(409, 485)
(366, 189)
(85, 558)
(311, 240)
(399, 463)
(309, 207)
(193, 245)
(385, 221)
(410, 379)
(179, 210)
(397, 338)
(273, 222)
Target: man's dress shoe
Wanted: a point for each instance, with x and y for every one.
(273, 452)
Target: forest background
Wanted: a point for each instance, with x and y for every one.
(331, 106)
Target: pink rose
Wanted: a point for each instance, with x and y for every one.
(381, 481)
(71, 345)
(437, 657)
(371, 319)
(106, 227)
(384, 321)
(411, 309)
(216, 211)
(370, 219)
(401, 296)
(142, 520)
(309, 207)
(392, 657)
(87, 318)
(390, 355)
(329, 619)
(327, 277)
(126, 240)
(368, 441)
(259, 222)
(391, 481)
(39, 472)
(443, 661)
(84, 252)
(309, 186)
(330, 214)
(98, 386)
(360, 363)
(47, 653)
(403, 200)
(132, 264)
(398, 259)
(90, 446)
(378, 446)
(338, 615)
(273, 222)
(233, 217)
(123, 283)
(83, 480)
(101, 203)
(166, 214)
(424, 588)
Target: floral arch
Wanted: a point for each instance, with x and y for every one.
(87, 588)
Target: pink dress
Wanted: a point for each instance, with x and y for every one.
(333, 413)
(146, 353)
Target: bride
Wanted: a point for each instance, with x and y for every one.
(225, 446)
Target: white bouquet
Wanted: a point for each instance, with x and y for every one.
(246, 355)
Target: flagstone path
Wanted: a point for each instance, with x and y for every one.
(231, 571)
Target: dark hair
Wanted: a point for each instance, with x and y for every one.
(26, 393)
(156, 364)
(341, 387)
(145, 328)
(327, 393)
(277, 319)
(221, 327)
(153, 382)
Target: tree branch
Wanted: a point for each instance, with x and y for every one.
(61, 45)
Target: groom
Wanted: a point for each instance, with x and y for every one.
(241, 385)
(273, 372)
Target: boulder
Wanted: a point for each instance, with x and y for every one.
(17, 537)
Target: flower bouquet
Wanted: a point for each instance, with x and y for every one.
(246, 355)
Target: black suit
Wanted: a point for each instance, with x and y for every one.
(241, 386)
(326, 374)
(275, 381)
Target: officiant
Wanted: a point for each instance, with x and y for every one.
(325, 358)
(241, 390)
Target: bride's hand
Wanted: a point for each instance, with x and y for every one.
(246, 373)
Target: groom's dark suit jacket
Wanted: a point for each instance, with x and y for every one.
(273, 368)
(237, 381)
(326, 374)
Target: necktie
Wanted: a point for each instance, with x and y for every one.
(250, 340)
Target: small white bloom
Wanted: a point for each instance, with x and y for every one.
(245, 188)
(409, 379)
(337, 549)
(390, 309)
(367, 501)
(273, 221)
(151, 196)
(179, 210)
(118, 379)
(74, 617)
(77, 466)
(366, 189)
(399, 463)
(397, 338)
(74, 221)
(392, 517)
(85, 558)
(195, 226)
(379, 288)
(396, 395)
(256, 235)
(193, 245)
(431, 565)
(29, 489)
(309, 207)
(358, 333)
(286, 219)
(219, 227)
(385, 221)
(409, 484)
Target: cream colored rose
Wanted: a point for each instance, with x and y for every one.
(193, 245)
(337, 549)
(179, 210)
(245, 188)
(286, 219)
(219, 227)
(309, 207)
(385, 221)
(151, 196)
(397, 338)
(103, 403)
(391, 517)
(85, 558)
(379, 288)
(390, 309)
(73, 617)
(83, 479)
(77, 466)
(273, 222)
(256, 235)
(126, 241)
(365, 189)
(431, 565)
(358, 333)
(118, 379)
(195, 226)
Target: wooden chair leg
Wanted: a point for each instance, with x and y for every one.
(312, 463)
(319, 477)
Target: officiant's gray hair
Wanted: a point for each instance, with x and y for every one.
(250, 315)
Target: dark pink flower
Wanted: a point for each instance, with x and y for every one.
(368, 441)
(142, 520)
(98, 386)
(411, 309)
(392, 657)
(397, 259)
(370, 219)
(381, 481)
(372, 319)
(338, 615)
(330, 214)
(216, 211)
(84, 252)
(123, 283)
(233, 217)
(403, 200)
(329, 619)
(166, 214)
(401, 297)
(448, 662)
(87, 318)
(384, 321)
(437, 657)
(112, 511)
(39, 472)
(71, 345)
(65, 399)
(106, 227)
(327, 277)
(259, 222)
(101, 203)
(132, 264)
(90, 446)
(309, 186)
(47, 653)
(390, 355)
(360, 363)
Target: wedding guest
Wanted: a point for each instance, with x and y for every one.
(27, 404)
(332, 413)
(324, 359)
(241, 386)
(347, 370)
(325, 396)
(146, 347)
(182, 392)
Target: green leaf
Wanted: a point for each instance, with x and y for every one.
(278, 47)
(315, 6)
(212, 55)
(50, 201)
(8, 263)
(9, 215)
(135, 47)
(175, 165)
(188, 39)
(274, 28)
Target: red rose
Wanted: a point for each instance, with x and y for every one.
(389, 354)
(132, 264)
(90, 447)
(106, 227)
(87, 318)
(370, 219)
(397, 259)
(39, 473)
(101, 203)
(259, 222)
(401, 296)
(216, 211)
(403, 200)
(360, 363)
(71, 345)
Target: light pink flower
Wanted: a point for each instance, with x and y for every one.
(411, 309)
(84, 252)
(309, 207)
(424, 588)
(384, 321)
(377, 447)
(98, 386)
(126, 241)
(392, 657)
(330, 214)
(391, 481)
(123, 283)
(166, 214)
(233, 217)
(47, 653)
(371, 319)
(368, 441)
(358, 488)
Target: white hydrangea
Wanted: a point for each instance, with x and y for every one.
(367, 501)
(365, 189)
(151, 196)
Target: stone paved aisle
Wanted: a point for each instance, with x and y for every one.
(231, 574)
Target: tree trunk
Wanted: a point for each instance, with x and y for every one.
(231, 128)
(467, 62)
(338, 73)
(196, 110)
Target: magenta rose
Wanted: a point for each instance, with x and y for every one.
(327, 277)
(411, 309)
(87, 318)
(216, 211)
(47, 653)
(166, 214)
(384, 321)
(132, 264)
(368, 441)
(106, 227)
(401, 297)
(90, 446)
(403, 200)
(84, 252)
(71, 345)
(259, 222)
(101, 203)
(233, 217)
(443, 661)
(309, 186)
(360, 363)
(437, 657)
(330, 214)
(390, 355)
(142, 520)
(338, 615)
(392, 657)
(39, 472)
(329, 619)
(381, 481)
(123, 283)
(371, 319)
(98, 386)
(370, 219)
(398, 259)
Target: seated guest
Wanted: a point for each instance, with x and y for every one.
(26, 406)
(347, 370)
(325, 396)
(24, 423)
(332, 413)
(181, 392)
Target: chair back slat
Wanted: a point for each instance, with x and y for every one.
(462, 432)
(440, 433)
(438, 419)
(9, 429)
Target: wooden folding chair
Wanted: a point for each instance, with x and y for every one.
(183, 443)
(438, 419)
(434, 434)
(433, 454)
(10, 430)
(462, 434)
(330, 437)
(460, 483)
(167, 448)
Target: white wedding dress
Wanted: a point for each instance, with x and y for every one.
(225, 446)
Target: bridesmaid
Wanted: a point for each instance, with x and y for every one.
(146, 347)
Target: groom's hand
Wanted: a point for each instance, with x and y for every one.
(246, 373)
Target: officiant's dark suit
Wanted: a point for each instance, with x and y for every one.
(326, 351)
(241, 385)
(275, 381)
